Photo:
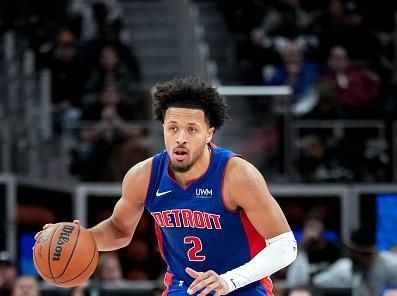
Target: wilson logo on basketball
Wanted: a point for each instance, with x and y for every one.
(62, 239)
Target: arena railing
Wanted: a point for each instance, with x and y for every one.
(8, 202)
(348, 203)
(25, 110)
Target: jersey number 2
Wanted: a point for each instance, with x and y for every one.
(197, 247)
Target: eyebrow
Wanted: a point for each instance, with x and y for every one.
(189, 123)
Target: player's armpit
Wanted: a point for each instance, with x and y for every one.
(117, 231)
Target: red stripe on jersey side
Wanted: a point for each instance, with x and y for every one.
(159, 237)
(268, 285)
(167, 282)
(150, 181)
(256, 243)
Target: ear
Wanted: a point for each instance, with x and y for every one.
(210, 134)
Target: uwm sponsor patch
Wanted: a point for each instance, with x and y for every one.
(203, 193)
(187, 218)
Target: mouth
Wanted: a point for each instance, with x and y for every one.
(180, 154)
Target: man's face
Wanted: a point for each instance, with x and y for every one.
(26, 286)
(300, 293)
(186, 134)
(338, 60)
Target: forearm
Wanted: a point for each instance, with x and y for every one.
(109, 237)
(280, 252)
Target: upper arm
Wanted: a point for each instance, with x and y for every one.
(130, 206)
(245, 188)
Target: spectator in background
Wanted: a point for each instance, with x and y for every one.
(255, 52)
(300, 291)
(142, 259)
(67, 81)
(326, 105)
(26, 286)
(356, 36)
(80, 290)
(315, 254)
(111, 69)
(109, 268)
(366, 269)
(108, 136)
(109, 36)
(8, 274)
(287, 19)
(138, 256)
(94, 14)
(328, 26)
(357, 89)
(296, 72)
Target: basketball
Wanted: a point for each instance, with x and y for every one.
(65, 254)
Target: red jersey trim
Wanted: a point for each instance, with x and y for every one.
(256, 243)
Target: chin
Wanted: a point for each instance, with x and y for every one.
(180, 168)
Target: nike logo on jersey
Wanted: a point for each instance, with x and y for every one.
(158, 194)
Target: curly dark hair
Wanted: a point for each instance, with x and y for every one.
(192, 93)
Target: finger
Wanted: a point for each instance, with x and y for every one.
(194, 274)
(202, 281)
(210, 288)
(37, 235)
(76, 221)
(47, 225)
(198, 280)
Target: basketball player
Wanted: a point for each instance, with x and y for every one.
(219, 229)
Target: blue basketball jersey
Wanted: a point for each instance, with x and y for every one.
(194, 228)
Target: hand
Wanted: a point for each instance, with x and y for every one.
(110, 113)
(50, 224)
(207, 282)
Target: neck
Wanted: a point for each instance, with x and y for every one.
(196, 171)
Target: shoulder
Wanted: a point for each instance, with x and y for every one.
(242, 179)
(240, 170)
(137, 179)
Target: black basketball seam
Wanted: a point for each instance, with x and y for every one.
(71, 254)
(49, 252)
(89, 264)
(37, 266)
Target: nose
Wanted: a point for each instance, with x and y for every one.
(181, 139)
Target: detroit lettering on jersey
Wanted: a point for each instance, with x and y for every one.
(187, 218)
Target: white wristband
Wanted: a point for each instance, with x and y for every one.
(280, 252)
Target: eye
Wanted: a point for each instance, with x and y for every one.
(192, 130)
(172, 128)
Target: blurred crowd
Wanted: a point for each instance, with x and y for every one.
(97, 91)
(339, 58)
(344, 47)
